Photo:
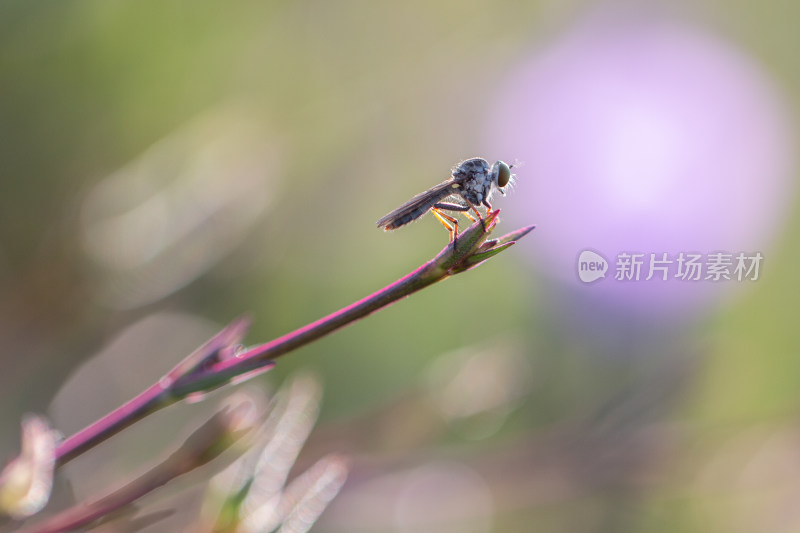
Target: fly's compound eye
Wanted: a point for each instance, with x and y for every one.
(503, 174)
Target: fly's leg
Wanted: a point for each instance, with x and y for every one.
(443, 219)
(472, 206)
(460, 208)
(457, 207)
(447, 206)
(464, 208)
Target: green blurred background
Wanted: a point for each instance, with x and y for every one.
(184, 163)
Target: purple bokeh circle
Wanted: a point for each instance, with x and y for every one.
(643, 136)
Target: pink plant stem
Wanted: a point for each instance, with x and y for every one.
(212, 438)
(449, 261)
(199, 372)
(157, 396)
(425, 275)
(151, 399)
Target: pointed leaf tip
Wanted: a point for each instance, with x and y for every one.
(516, 235)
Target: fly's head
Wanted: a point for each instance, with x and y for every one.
(500, 175)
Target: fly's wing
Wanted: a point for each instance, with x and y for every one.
(418, 205)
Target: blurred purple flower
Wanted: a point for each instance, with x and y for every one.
(639, 134)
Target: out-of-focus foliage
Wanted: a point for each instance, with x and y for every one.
(168, 166)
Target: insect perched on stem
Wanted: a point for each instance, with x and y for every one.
(471, 184)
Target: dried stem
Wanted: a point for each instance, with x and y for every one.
(206, 443)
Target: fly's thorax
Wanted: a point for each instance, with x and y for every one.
(477, 190)
(475, 180)
(469, 167)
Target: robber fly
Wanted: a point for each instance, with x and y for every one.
(471, 184)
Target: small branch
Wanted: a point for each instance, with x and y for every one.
(220, 361)
(151, 399)
(207, 442)
(468, 251)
